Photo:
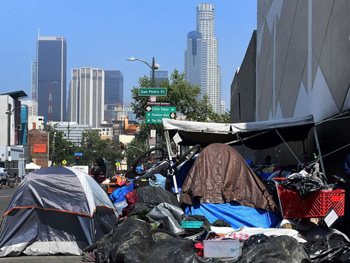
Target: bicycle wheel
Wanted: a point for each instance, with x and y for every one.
(148, 160)
(187, 155)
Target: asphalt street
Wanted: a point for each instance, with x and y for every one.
(5, 197)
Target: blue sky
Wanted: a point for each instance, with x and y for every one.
(103, 33)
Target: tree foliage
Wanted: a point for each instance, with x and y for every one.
(93, 147)
(185, 96)
(134, 149)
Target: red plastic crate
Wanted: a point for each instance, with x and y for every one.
(318, 204)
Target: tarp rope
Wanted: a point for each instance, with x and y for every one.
(336, 150)
(287, 146)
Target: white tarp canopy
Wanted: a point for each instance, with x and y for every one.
(255, 135)
(32, 166)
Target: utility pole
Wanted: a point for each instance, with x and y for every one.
(9, 113)
(153, 73)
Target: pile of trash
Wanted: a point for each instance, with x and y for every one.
(154, 228)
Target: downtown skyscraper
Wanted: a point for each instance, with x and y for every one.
(86, 98)
(51, 77)
(114, 88)
(201, 57)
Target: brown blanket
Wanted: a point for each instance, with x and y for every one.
(221, 175)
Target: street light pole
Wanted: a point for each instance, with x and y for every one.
(153, 73)
(153, 67)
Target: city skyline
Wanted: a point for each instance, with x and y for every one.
(118, 31)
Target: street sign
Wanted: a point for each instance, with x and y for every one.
(154, 120)
(64, 162)
(158, 103)
(117, 164)
(152, 141)
(152, 91)
(78, 154)
(157, 114)
(163, 109)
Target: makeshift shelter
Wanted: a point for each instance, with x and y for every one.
(55, 210)
(254, 135)
(220, 183)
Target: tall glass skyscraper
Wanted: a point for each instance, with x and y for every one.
(114, 86)
(51, 77)
(159, 76)
(201, 56)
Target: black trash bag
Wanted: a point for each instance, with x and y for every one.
(254, 240)
(140, 210)
(221, 223)
(153, 249)
(113, 246)
(329, 247)
(156, 196)
(344, 255)
(305, 185)
(271, 189)
(276, 249)
(167, 217)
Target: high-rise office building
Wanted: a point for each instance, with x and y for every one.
(114, 86)
(87, 89)
(195, 61)
(201, 56)
(51, 77)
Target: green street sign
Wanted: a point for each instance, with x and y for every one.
(154, 120)
(163, 109)
(157, 114)
(152, 91)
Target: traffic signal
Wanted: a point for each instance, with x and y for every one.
(78, 157)
(122, 146)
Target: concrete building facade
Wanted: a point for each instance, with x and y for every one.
(302, 68)
(302, 59)
(87, 91)
(243, 86)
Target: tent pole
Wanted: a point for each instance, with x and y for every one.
(168, 145)
(319, 150)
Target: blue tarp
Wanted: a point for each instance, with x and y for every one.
(119, 194)
(235, 214)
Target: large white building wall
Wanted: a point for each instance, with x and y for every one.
(87, 96)
(303, 60)
(4, 101)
